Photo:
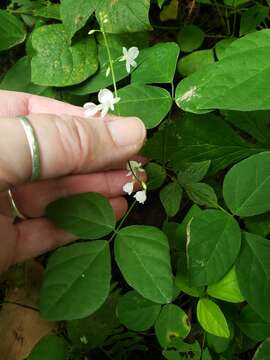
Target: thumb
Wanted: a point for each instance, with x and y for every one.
(68, 145)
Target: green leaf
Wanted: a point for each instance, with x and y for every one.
(149, 103)
(227, 288)
(123, 15)
(247, 185)
(11, 29)
(195, 61)
(252, 325)
(91, 332)
(156, 175)
(49, 11)
(206, 355)
(194, 172)
(235, 3)
(202, 194)
(259, 224)
(100, 80)
(18, 78)
(156, 64)
(206, 137)
(170, 197)
(172, 323)
(252, 17)
(142, 254)
(254, 123)
(263, 351)
(213, 88)
(221, 46)
(75, 14)
(136, 312)
(190, 38)
(171, 355)
(217, 343)
(87, 215)
(56, 63)
(76, 281)
(182, 280)
(214, 241)
(160, 3)
(50, 347)
(211, 318)
(255, 283)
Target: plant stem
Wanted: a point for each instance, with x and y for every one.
(19, 304)
(110, 62)
(122, 221)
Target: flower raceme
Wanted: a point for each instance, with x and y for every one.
(129, 56)
(134, 168)
(106, 102)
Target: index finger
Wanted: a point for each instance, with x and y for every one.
(14, 103)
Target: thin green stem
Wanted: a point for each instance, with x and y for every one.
(111, 63)
(122, 221)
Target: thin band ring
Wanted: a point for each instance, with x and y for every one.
(34, 147)
(15, 210)
(35, 157)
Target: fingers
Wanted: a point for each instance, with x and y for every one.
(37, 236)
(32, 199)
(14, 103)
(68, 145)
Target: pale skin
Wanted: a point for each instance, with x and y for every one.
(77, 155)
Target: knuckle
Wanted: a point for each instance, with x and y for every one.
(75, 141)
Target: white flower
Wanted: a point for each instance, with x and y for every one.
(128, 188)
(134, 167)
(83, 340)
(129, 56)
(140, 196)
(107, 101)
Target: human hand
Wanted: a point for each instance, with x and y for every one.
(77, 155)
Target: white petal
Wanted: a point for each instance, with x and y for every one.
(128, 188)
(125, 52)
(105, 110)
(133, 52)
(122, 58)
(128, 67)
(105, 95)
(91, 111)
(140, 196)
(89, 105)
(116, 100)
(133, 63)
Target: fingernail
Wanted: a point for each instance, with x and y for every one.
(127, 131)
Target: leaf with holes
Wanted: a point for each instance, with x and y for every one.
(57, 63)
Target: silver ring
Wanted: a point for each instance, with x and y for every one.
(16, 211)
(34, 147)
